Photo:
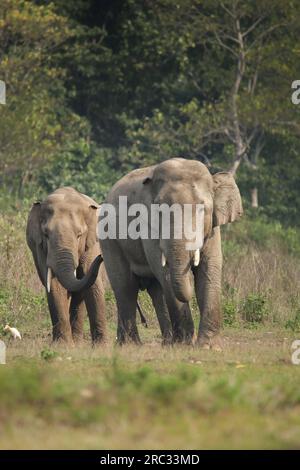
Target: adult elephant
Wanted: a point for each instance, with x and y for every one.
(164, 266)
(61, 234)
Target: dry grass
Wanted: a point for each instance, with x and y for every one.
(271, 273)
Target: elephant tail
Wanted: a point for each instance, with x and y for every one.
(143, 319)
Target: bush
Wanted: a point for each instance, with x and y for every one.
(294, 324)
(254, 308)
(230, 312)
(85, 167)
(48, 354)
(257, 231)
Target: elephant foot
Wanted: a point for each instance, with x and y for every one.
(167, 340)
(123, 339)
(99, 341)
(183, 336)
(60, 336)
(78, 339)
(67, 343)
(210, 341)
(128, 333)
(130, 341)
(99, 336)
(187, 340)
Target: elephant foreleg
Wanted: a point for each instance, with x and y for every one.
(77, 315)
(181, 317)
(156, 293)
(208, 292)
(59, 305)
(126, 296)
(94, 300)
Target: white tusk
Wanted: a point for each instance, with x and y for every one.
(163, 260)
(197, 257)
(49, 279)
(75, 273)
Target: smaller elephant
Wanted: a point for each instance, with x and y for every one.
(61, 234)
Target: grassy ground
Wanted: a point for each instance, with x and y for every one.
(151, 396)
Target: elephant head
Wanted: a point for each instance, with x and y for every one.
(59, 231)
(180, 181)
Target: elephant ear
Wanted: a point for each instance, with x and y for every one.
(33, 229)
(35, 240)
(147, 175)
(227, 199)
(147, 180)
(92, 221)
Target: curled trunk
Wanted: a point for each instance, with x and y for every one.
(63, 268)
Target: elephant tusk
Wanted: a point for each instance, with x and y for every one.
(163, 260)
(75, 273)
(197, 257)
(49, 279)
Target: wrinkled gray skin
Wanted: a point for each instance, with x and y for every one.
(61, 233)
(135, 264)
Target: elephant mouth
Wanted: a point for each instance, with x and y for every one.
(194, 261)
(51, 275)
(69, 278)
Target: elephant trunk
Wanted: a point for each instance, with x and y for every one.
(179, 262)
(64, 269)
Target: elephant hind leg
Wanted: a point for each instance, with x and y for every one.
(126, 292)
(126, 287)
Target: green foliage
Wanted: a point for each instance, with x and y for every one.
(96, 89)
(258, 230)
(254, 308)
(146, 381)
(249, 311)
(35, 122)
(230, 306)
(21, 385)
(82, 166)
(48, 354)
(294, 323)
(230, 312)
(163, 398)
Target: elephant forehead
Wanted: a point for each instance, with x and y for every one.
(62, 212)
(55, 198)
(68, 198)
(181, 169)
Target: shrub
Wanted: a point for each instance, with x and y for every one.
(294, 324)
(254, 308)
(48, 354)
(230, 312)
(229, 305)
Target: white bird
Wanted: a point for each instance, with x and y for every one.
(13, 331)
